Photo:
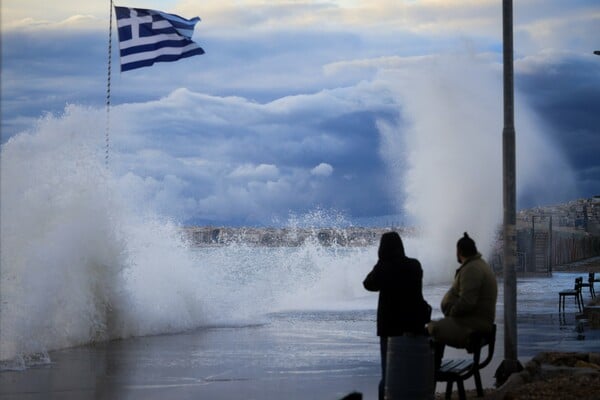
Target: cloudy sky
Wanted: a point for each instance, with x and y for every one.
(362, 108)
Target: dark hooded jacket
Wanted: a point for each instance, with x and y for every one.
(399, 281)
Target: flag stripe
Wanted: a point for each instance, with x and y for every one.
(184, 26)
(173, 38)
(155, 46)
(157, 53)
(179, 21)
(158, 24)
(165, 57)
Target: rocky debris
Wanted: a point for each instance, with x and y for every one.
(553, 375)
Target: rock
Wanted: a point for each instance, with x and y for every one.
(585, 364)
(594, 358)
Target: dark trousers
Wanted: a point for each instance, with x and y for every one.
(438, 353)
(383, 350)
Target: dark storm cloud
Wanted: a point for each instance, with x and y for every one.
(252, 163)
(43, 72)
(565, 91)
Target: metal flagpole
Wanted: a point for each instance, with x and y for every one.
(108, 83)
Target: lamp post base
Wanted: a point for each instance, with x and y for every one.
(506, 369)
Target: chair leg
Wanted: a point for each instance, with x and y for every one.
(561, 304)
(461, 390)
(559, 301)
(477, 378)
(449, 390)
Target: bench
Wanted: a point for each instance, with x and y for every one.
(575, 292)
(458, 370)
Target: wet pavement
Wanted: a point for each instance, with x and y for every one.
(292, 355)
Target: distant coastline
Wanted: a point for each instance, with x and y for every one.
(348, 236)
(546, 236)
(577, 217)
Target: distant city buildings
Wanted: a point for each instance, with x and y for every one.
(582, 215)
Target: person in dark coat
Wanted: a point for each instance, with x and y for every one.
(401, 308)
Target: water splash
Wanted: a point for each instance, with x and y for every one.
(77, 265)
(445, 152)
(81, 263)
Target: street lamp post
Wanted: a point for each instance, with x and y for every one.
(510, 364)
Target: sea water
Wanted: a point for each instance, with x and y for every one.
(164, 285)
(291, 349)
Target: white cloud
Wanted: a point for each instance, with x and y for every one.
(64, 10)
(557, 27)
(322, 169)
(259, 172)
(434, 17)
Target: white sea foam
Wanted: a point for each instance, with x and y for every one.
(77, 265)
(81, 263)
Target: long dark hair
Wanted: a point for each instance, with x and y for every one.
(390, 247)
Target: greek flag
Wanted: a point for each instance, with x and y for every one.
(149, 36)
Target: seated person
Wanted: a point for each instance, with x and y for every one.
(470, 304)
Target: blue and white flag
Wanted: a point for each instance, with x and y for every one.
(149, 36)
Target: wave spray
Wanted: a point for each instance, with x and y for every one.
(445, 155)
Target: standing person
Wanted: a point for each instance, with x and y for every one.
(401, 307)
(470, 304)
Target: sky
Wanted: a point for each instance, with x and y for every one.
(301, 107)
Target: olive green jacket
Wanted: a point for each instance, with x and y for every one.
(472, 298)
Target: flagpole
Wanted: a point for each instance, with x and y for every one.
(107, 136)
